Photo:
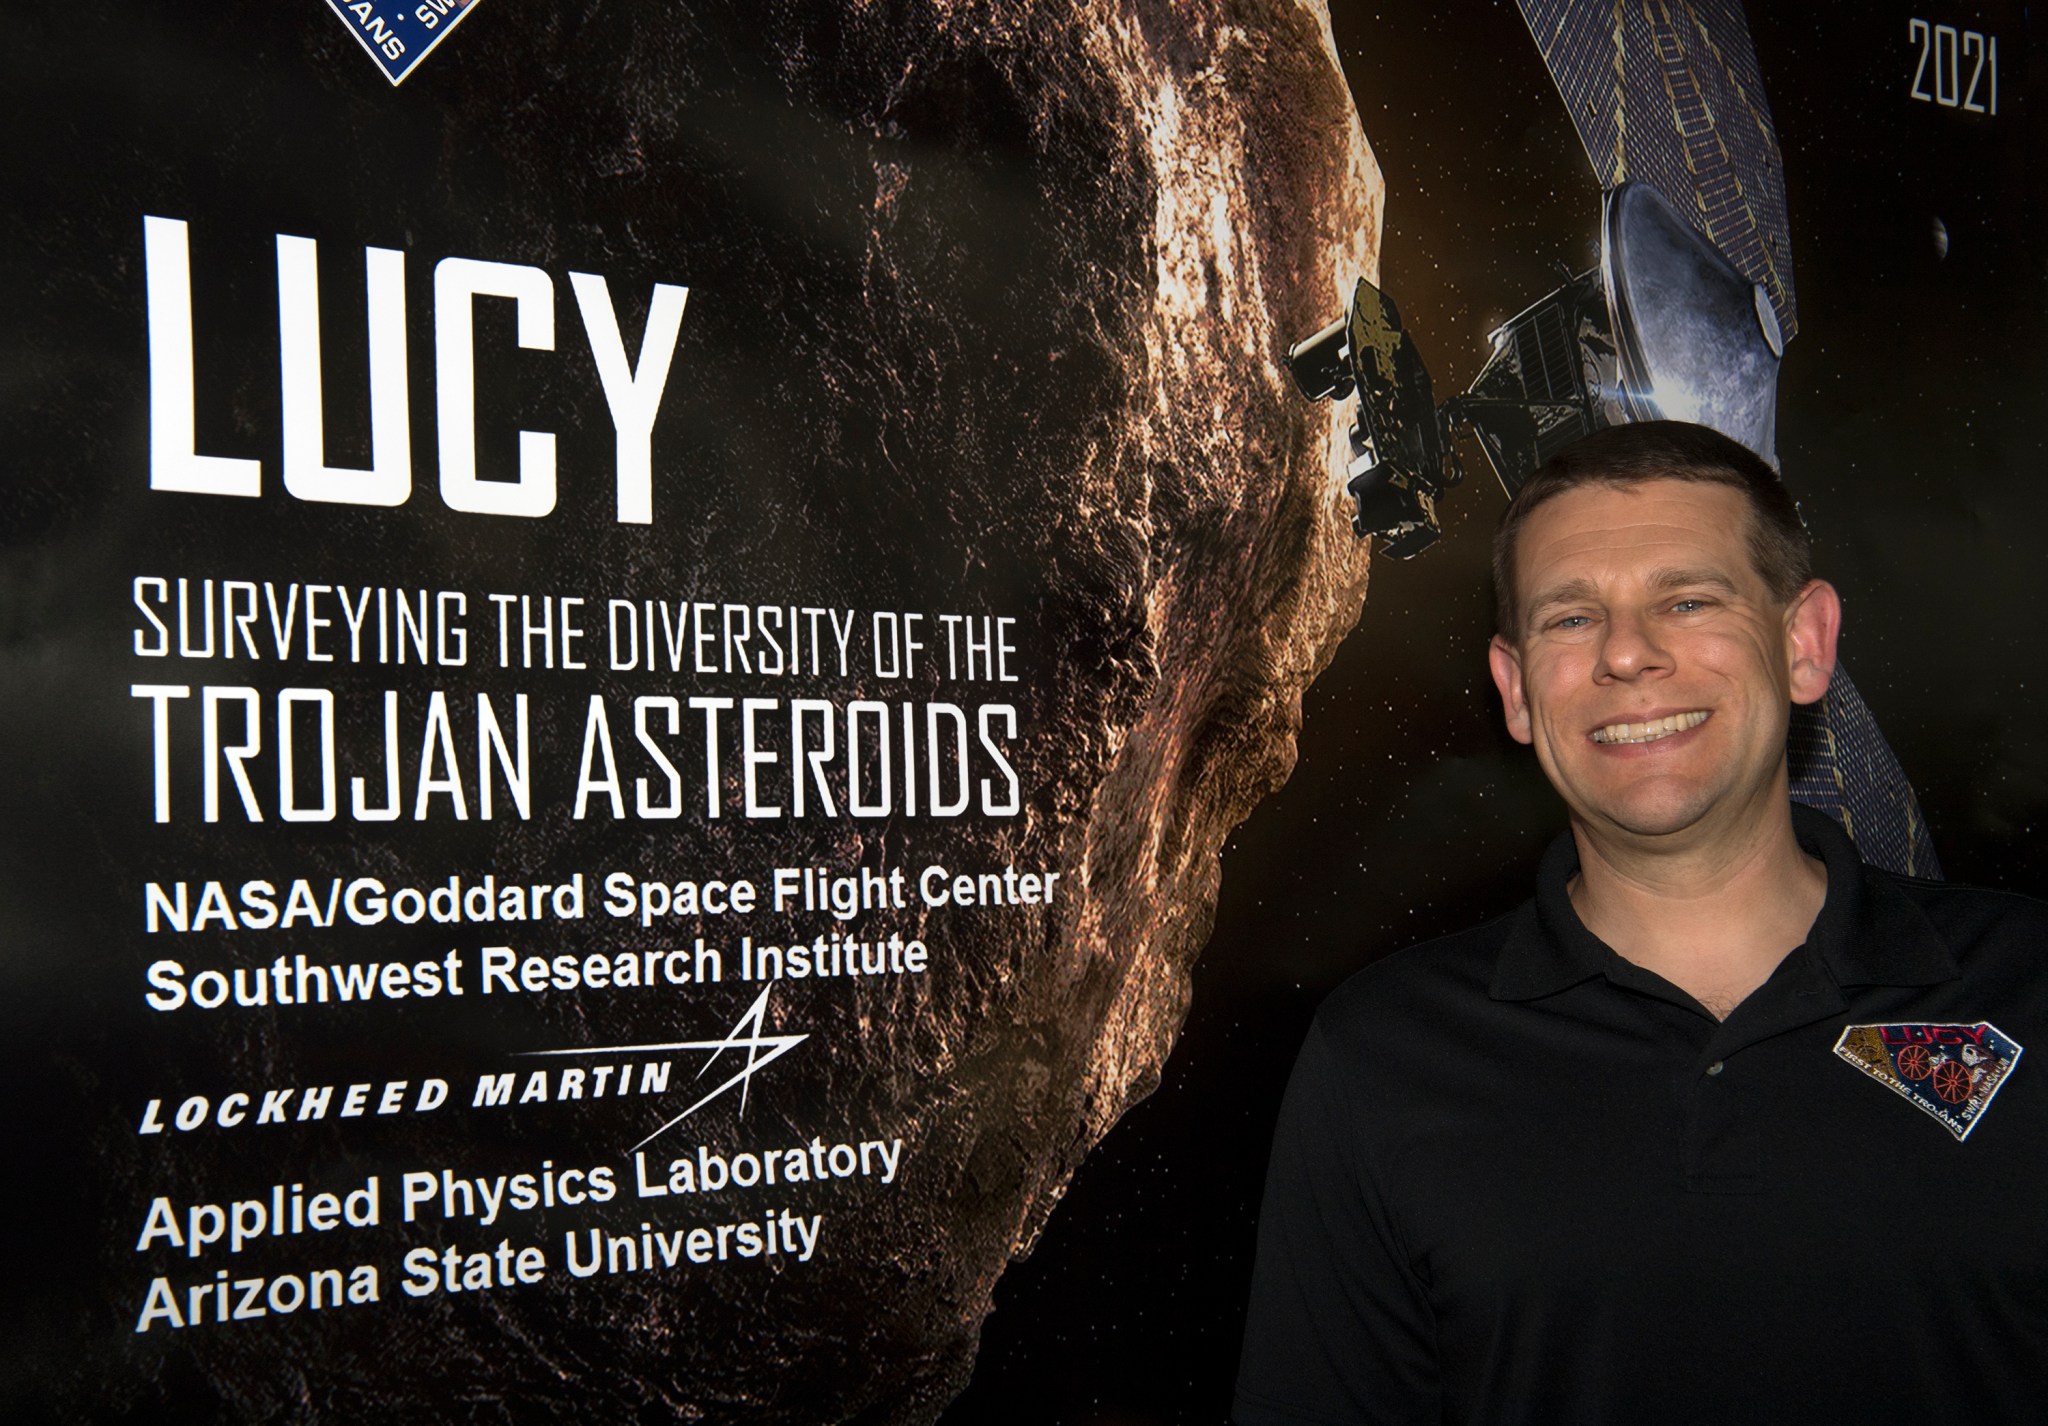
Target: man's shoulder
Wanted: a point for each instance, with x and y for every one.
(1964, 914)
(1426, 985)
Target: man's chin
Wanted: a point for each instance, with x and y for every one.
(1666, 817)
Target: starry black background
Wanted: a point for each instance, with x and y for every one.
(1909, 428)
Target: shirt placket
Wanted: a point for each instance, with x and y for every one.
(1725, 1097)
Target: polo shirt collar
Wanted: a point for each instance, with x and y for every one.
(1868, 931)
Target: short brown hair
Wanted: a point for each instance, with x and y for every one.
(1642, 451)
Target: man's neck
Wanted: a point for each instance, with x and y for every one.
(1712, 916)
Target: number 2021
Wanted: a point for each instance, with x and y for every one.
(1943, 49)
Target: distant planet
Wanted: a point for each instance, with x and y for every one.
(1940, 238)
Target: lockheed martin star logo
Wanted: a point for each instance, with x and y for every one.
(761, 1051)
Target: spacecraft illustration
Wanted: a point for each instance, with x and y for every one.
(1686, 317)
(1664, 328)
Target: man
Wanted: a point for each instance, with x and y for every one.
(1723, 1126)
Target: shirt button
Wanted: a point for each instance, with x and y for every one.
(1715, 1067)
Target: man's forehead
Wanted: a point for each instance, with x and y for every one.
(1649, 531)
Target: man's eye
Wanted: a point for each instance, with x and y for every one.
(1571, 621)
(1689, 606)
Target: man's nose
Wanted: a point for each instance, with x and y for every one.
(1631, 649)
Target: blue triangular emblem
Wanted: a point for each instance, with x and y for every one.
(398, 36)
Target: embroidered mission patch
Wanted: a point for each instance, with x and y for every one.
(1951, 1071)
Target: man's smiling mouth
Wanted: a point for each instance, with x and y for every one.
(1651, 731)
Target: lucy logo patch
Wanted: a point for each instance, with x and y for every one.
(1951, 1071)
(398, 34)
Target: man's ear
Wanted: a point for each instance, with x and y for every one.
(1506, 662)
(1813, 622)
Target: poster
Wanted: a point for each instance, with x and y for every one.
(640, 637)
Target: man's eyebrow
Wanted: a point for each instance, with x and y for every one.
(1572, 591)
(1667, 579)
(1564, 592)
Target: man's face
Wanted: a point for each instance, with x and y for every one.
(1652, 670)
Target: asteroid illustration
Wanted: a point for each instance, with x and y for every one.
(987, 310)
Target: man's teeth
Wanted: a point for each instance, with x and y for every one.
(1651, 731)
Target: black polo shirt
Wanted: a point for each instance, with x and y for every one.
(1518, 1178)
